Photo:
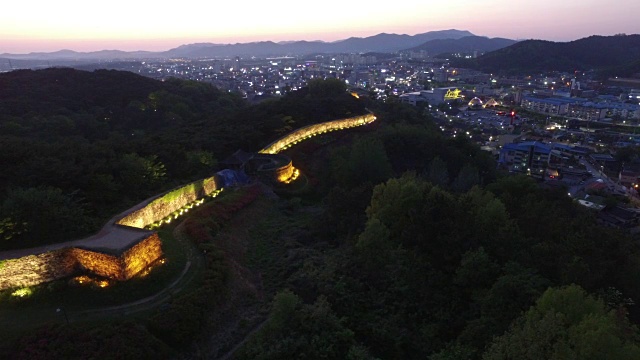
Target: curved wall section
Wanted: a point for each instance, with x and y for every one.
(270, 168)
(158, 208)
(316, 129)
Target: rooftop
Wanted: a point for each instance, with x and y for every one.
(526, 146)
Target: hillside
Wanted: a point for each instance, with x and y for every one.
(398, 242)
(81, 146)
(467, 44)
(47, 91)
(594, 52)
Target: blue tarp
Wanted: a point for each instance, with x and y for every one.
(230, 177)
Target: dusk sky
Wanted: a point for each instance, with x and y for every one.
(37, 25)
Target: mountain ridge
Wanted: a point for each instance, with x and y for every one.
(382, 42)
(465, 44)
(593, 52)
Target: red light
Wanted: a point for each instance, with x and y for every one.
(513, 113)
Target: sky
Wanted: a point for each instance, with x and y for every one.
(85, 25)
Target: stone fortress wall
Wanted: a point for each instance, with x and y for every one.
(160, 207)
(123, 248)
(134, 250)
(35, 269)
(316, 129)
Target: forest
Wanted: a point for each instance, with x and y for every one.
(616, 55)
(404, 245)
(78, 147)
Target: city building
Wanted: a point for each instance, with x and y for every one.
(552, 106)
(529, 157)
(432, 97)
(624, 111)
(587, 111)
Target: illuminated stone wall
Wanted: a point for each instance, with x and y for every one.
(167, 203)
(36, 269)
(272, 168)
(40, 268)
(100, 264)
(312, 130)
(284, 173)
(122, 267)
(141, 255)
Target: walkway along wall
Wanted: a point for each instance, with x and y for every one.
(316, 129)
(155, 209)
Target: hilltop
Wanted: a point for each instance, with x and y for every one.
(467, 44)
(594, 52)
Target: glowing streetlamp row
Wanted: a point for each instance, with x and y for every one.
(308, 132)
(183, 210)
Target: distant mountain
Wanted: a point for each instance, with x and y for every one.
(377, 43)
(594, 52)
(467, 44)
(393, 42)
(82, 56)
(631, 69)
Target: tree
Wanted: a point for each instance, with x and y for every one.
(567, 323)
(393, 203)
(374, 245)
(200, 162)
(326, 88)
(438, 173)
(141, 174)
(467, 178)
(9, 229)
(43, 214)
(296, 330)
(366, 162)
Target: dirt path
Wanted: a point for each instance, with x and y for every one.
(230, 353)
(242, 314)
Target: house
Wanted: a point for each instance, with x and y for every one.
(619, 217)
(629, 175)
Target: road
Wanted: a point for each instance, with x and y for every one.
(599, 174)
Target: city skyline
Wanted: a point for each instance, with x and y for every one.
(69, 24)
